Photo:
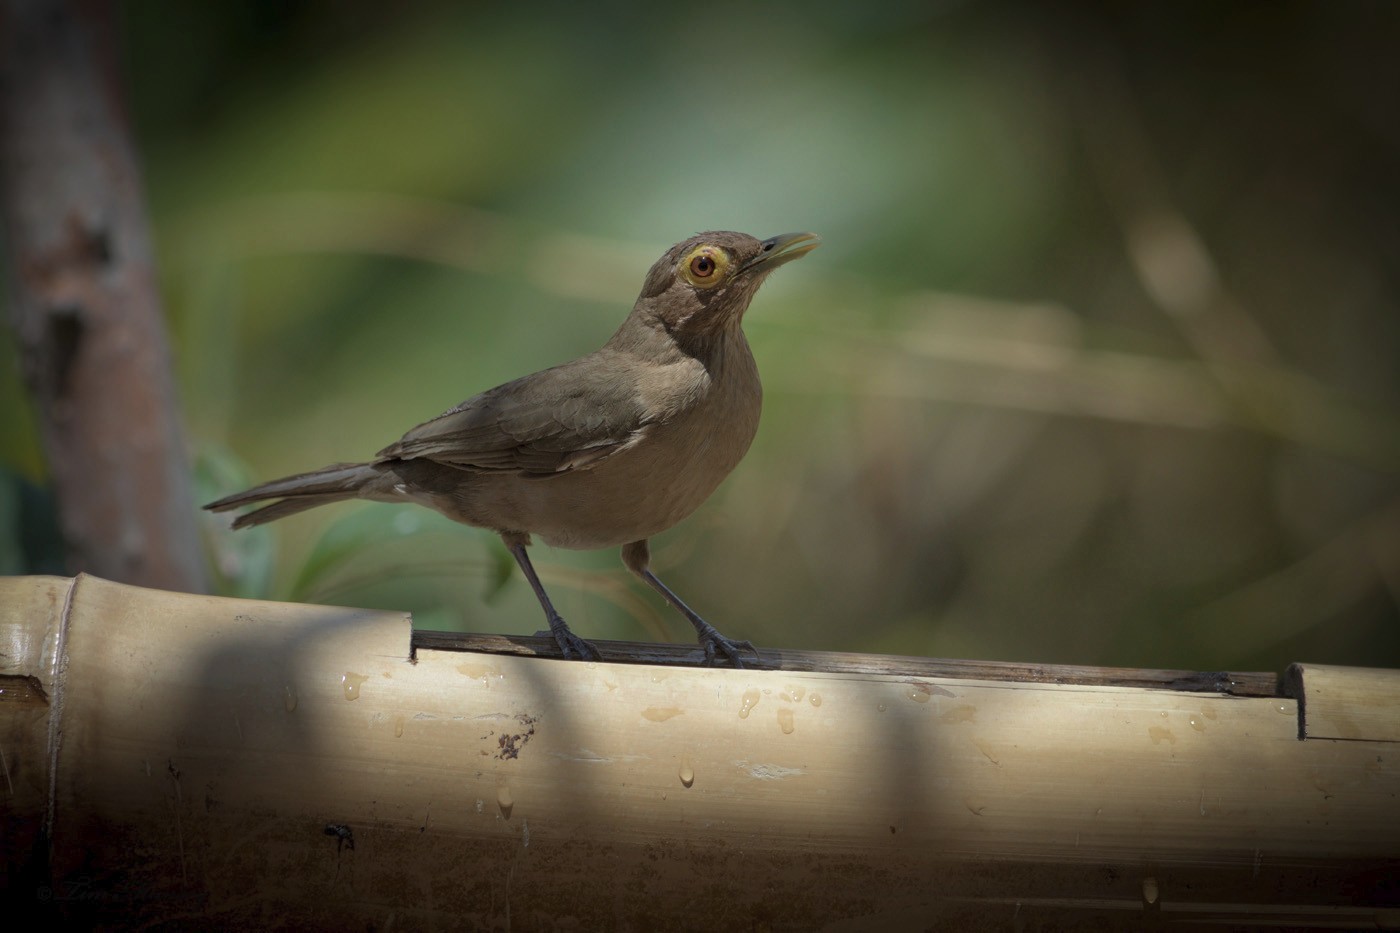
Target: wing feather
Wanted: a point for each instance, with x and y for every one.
(566, 418)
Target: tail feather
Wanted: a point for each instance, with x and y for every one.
(281, 509)
(298, 493)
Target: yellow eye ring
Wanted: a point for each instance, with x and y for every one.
(705, 266)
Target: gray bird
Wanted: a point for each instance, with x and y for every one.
(604, 451)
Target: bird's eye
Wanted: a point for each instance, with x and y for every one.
(705, 267)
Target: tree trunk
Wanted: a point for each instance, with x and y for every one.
(84, 302)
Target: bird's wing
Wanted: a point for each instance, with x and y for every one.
(566, 418)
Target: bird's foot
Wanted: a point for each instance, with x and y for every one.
(716, 644)
(570, 645)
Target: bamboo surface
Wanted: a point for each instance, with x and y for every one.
(236, 764)
(1235, 683)
(1346, 702)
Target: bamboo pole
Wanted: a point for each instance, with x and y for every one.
(1345, 702)
(227, 763)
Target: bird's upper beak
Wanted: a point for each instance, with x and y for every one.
(782, 248)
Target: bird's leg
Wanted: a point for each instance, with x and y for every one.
(637, 557)
(569, 643)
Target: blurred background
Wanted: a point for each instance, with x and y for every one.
(1097, 365)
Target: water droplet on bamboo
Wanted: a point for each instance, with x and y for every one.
(1149, 890)
(504, 800)
(482, 672)
(398, 727)
(751, 698)
(1159, 735)
(815, 699)
(687, 772)
(350, 682)
(785, 720)
(289, 698)
(963, 712)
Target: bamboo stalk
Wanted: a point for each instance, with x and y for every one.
(1353, 703)
(231, 763)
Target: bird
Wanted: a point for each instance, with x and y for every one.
(605, 451)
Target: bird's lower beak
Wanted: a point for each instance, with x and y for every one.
(783, 248)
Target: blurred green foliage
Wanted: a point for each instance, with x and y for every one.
(1097, 365)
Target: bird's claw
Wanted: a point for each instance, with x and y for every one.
(570, 645)
(714, 644)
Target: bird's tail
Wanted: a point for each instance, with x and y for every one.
(299, 493)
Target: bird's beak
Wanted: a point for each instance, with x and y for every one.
(783, 248)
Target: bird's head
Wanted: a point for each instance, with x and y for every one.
(703, 285)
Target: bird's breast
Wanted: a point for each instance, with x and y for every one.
(676, 464)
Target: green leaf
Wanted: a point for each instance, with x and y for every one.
(502, 571)
(241, 562)
(353, 532)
